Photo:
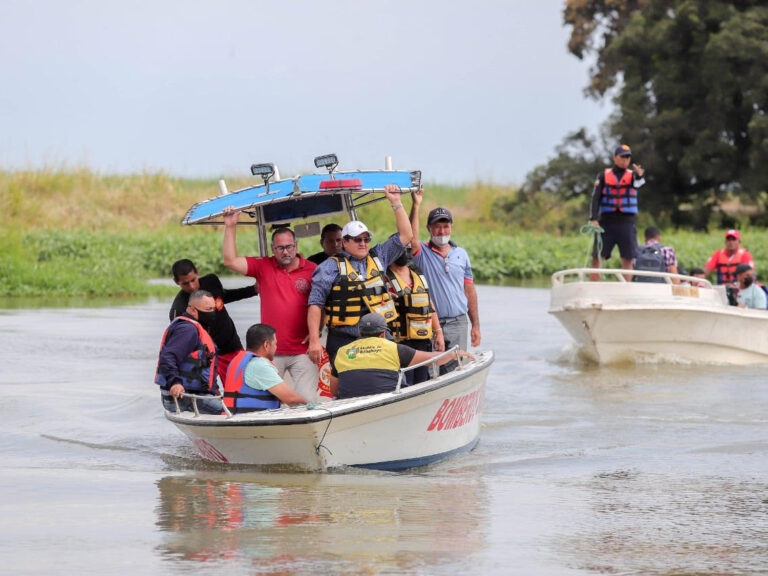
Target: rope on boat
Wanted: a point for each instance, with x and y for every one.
(320, 444)
(596, 232)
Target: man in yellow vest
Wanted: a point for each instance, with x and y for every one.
(370, 364)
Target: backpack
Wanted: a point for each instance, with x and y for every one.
(650, 259)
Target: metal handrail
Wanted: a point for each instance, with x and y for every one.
(432, 362)
(202, 396)
(620, 274)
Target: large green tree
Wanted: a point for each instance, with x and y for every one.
(689, 81)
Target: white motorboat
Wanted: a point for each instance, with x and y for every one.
(412, 426)
(676, 317)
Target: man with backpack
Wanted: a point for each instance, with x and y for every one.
(653, 256)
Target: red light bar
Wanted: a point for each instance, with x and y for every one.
(354, 183)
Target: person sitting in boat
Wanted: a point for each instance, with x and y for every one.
(370, 364)
(350, 284)
(653, 256)
(252, 381)
(697, 272)
(330, 240)
(223, 330)
(187, 360)
(417, 323)
(725, 260)
(750, 294)
(284, 283)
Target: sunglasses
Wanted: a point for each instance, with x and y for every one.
(361, 239)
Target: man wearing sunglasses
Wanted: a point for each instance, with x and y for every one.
(284, 281)
(351, 284)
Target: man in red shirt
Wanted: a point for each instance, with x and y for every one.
(284, 280)
(725, 260)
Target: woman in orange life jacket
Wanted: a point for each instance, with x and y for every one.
(187, 359)
(417, 323)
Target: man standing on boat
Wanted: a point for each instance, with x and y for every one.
(187, 360)
(614, 208)
(284, 281)
(252, 382)
(351, 284)
(449, 272)
(725, 260)
(222, 330)
(370, 364)
(330, 240)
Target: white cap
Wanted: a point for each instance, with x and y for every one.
(353, 228)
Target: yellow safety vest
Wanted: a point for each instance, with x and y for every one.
(372, 353)
(352, 297)
(414, 313)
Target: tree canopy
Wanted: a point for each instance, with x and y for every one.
(689, 81)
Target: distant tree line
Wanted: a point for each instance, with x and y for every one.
(689, 83)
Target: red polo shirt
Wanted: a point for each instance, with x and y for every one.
(284, 296)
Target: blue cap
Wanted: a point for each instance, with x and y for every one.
(622, 150)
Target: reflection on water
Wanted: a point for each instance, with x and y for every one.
(349, 523)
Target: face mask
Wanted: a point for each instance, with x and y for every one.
(206, 318)
(748, 281)
(441, 240)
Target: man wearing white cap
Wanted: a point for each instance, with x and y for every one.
(351, 284)
(725, 260)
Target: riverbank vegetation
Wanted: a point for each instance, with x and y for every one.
(78, 233)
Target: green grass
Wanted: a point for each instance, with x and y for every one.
(78, 234)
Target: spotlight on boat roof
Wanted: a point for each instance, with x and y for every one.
(266, 171)
(329, 161)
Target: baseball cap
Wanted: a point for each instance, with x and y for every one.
(733, 234)
(741, 268)
(439, 214)
(353, 228)
(622, 150)
(372, 324)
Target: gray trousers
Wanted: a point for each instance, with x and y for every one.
(454, 332)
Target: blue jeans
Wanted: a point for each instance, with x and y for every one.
(204, 405)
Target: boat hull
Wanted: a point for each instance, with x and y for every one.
(616, 322)
(420, 425)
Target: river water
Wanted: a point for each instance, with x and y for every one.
(648, 469)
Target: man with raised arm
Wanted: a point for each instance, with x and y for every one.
(449, 272)
(284, 281)
(351, 284)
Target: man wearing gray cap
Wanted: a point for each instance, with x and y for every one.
(350, 284)
(370, 364)
(614, 206)
(449, 272)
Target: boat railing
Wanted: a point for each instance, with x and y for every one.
(195, 398)
(620, 275)
(432, 363)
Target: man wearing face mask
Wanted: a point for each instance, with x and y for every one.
(750, 294)
(187, 360)
(449, 273)
(351, 284)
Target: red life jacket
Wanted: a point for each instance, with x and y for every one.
(238, 396)
(726, 267)
(198, 370)
(618, 195)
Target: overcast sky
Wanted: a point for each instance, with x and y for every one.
(461, 90)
